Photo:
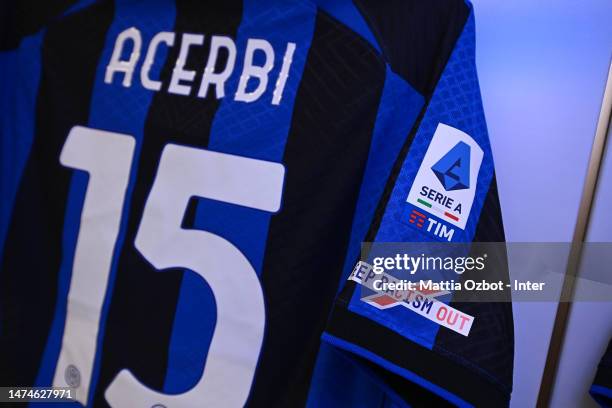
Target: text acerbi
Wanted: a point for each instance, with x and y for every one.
(254, 76)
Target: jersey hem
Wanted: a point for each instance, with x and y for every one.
(425, 367)
(373, 357)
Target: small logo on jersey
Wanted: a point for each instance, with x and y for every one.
(72, 375)
(445, 184)
(417, 218)
(453, 169)
(421, 300)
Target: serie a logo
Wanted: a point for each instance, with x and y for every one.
(445, 184)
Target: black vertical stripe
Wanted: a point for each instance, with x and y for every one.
(22, 18)
(33, 250)
(325, 157)
(491, 342)
(141, 314)
(417, 37)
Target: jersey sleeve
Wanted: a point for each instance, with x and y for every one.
(421, 360)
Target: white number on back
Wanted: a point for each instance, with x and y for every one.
(183, 172)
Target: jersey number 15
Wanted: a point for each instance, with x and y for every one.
(183, 172)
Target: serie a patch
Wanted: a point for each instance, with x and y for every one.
(444, 187)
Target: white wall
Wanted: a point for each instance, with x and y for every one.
(542, 67)
(590, 323)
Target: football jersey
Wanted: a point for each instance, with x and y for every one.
(186, 185)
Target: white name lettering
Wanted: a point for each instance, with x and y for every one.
(259, 60)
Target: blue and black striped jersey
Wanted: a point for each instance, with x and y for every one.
(186, 184)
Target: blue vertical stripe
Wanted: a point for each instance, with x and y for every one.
(113, 108)
(399, 107)
(257, 130)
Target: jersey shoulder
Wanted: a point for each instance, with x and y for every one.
(416, 37)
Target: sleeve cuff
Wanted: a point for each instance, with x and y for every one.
(429, 369)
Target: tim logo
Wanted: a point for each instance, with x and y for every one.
(445, 184)
(417, 218)
(453, 169)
